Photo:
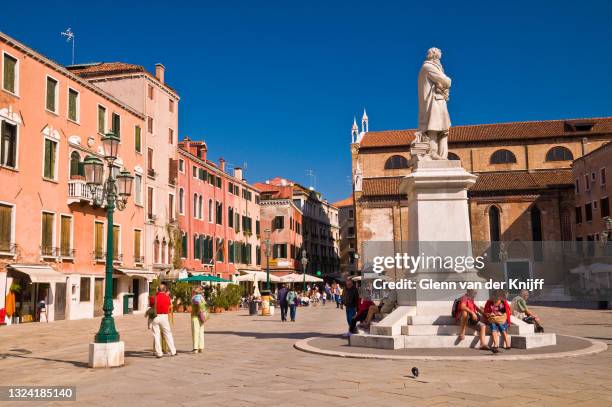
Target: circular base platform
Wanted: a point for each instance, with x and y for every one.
(567, 346)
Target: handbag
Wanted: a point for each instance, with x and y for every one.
(497, 319)
(202, 313)
(152, 311)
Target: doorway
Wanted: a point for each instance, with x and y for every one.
(517, 269)
(136, 291)
(98, 297)
(60, 301)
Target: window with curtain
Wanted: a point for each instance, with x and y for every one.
(8, 145)
(138, 139)
(47, 233)
(6, 227)
(219, 249)
(101, 119)
(99, 240)
(137, 246)
(9, 76)
(138, 189)
(51, 99)
(50, 158)
(65, 236)
(73, 105)
(116, 242)
(210, 210)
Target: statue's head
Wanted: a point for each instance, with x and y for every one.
(433, 54)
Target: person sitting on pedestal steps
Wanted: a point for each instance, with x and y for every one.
(467, 313)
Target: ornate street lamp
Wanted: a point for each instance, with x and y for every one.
(304, 265)
(115, 192)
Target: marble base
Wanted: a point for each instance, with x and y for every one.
(106, 354)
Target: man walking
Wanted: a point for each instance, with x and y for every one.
(350, 299)
(160, 325)
(282, 301)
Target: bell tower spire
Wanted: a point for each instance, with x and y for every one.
(364, 122)
(354, 131)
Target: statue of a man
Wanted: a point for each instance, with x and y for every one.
(434, 121)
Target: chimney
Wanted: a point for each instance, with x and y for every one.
(222, 164)
(159, 72)
(238, 173)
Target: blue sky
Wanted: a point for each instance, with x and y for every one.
(276, 84)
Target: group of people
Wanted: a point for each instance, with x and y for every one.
(496, 314)
(159, 317)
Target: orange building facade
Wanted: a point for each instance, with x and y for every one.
(52, 232)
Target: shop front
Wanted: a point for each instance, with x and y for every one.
(135, 284)
(34, 293)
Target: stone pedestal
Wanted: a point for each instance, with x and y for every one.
(439, 225)
(106, 354)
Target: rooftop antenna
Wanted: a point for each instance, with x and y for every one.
(313, 178)
(69, 37)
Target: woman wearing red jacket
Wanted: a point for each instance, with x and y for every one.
(497, 311)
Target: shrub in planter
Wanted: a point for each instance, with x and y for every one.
(233, 295)
(219, 302)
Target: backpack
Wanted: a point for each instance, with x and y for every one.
(456, 305)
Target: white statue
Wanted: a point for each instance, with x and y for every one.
(434, 121)
(357, 178)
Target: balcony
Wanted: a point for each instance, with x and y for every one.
(49, 252)
(138, 259)
(78, 191)
(8, 249)
(66, 253)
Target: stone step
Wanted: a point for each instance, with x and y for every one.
(431, 320)
(420, 330)
(435, 341)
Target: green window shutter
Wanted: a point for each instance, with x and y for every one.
(116, 125)
(72, 104)
(5, 227)
(138, 139)
(47, 162)
(51, 87)
(66, 223)
(9, 73)
(47, 232)
(101, 120)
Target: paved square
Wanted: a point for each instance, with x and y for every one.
(251, 361)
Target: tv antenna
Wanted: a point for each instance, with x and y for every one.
(313, 178)
(69, 38)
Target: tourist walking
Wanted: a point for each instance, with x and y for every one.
(282, 301)
(350, 299)
(161, 305)
(198, 317)
(292, 300)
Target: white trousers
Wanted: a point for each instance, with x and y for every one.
(159, 326)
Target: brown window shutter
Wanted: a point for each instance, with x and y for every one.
(173, 171)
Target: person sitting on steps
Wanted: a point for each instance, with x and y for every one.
(468, 313)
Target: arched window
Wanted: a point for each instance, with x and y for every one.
(75, 164)
(181, 201)
(494, 232)
(195, 205)
(156, 250)
(503, 157)
(559, 153)
(396, 162)
(210, 210)
(200, 214)
(453, 156)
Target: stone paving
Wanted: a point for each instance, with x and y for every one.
(250, 361)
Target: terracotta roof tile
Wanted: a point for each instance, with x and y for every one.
(487, 181)
(521, 180)
(105, 68)
(493, 132)
(345, 202)
(381, 186)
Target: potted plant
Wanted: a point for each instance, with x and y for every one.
(219, 302)
(233, 294)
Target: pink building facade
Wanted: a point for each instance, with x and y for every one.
(219, 215)
(52, 234)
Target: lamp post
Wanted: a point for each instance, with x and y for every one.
(115, 191)
(304, 264)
